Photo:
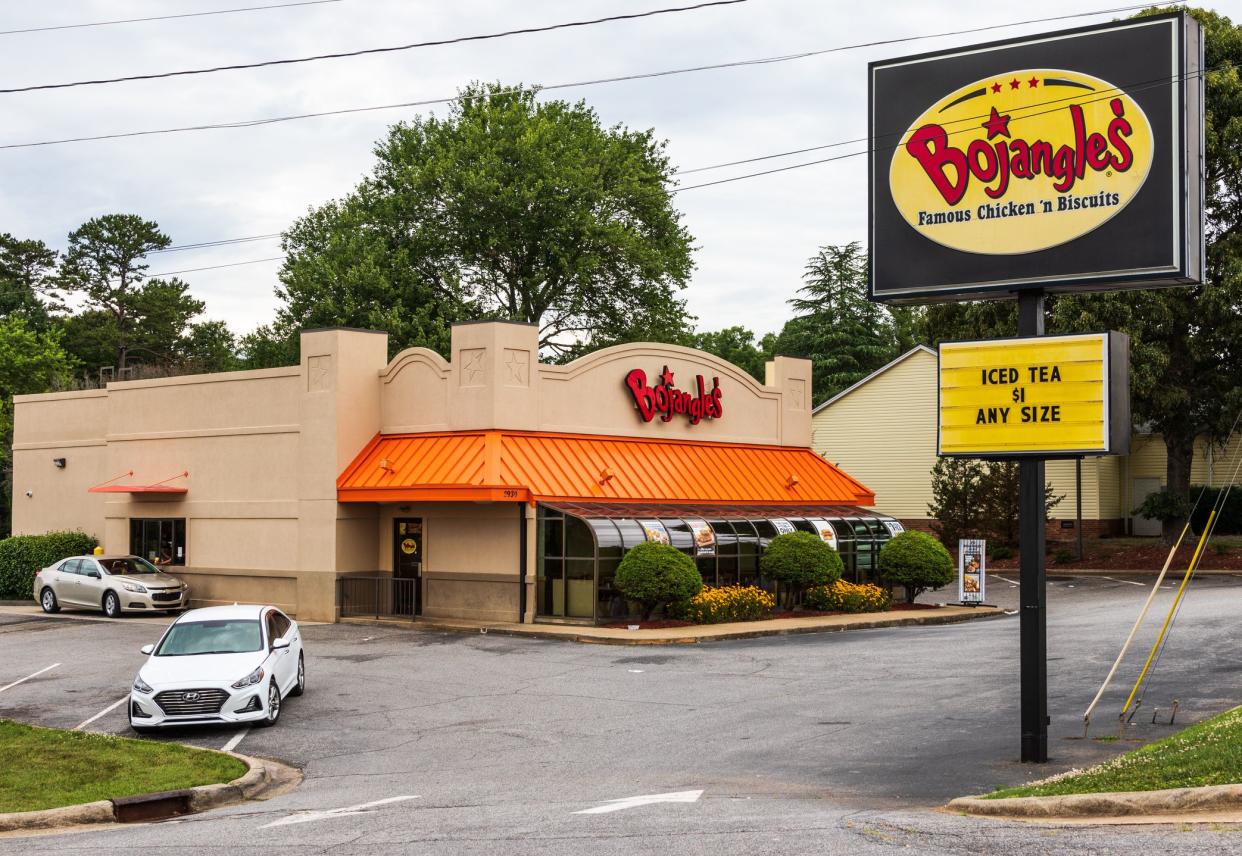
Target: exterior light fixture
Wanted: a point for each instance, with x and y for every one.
(59, 463)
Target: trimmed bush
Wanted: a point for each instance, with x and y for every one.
(728, 603)
(917, 561)
(23, 556)
(844, 596)
(800, 560)
(655, 574)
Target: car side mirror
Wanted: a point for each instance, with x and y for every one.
(93, 574)
(282, 642)
(147, 649)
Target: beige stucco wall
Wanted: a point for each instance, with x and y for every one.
(263, 450)
(495, 381)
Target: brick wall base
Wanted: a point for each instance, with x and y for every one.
(1055, 531)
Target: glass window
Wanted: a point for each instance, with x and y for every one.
(726, 570)
(552, 537)
(801, 524)
(70, 566)
(226, 636)
(631, 533)
(578, 540)
(611, 604)
(607, 538)
(160, 541)
(88, 568)
(726, 540)
(580, 588)
(128, 567)
(682, 537)
(282, 624)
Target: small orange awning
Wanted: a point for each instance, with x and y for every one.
(521, 466)
(159, 487)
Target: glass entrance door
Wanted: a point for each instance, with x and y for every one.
(407, 566)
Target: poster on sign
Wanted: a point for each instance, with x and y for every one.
(894, 528)
(654, 531)
(783, 526)
(704, 537)
(971, 570)
(825, 531)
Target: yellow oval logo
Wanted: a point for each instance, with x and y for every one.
(1021, 162)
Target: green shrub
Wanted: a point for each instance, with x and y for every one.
(655, 574)
(727, 603)
(1063, 556)
(800, 560)
(1002, 552)
(917, 561)
(23, 556)
(843, 596)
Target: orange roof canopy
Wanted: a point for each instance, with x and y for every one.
(519, 466)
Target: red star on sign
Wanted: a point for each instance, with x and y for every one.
(997, 125)
(1034, 81)
(666, 377)
(996, 87)
(1015, 84)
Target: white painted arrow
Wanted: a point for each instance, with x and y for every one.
(647, 799)
(308, 816)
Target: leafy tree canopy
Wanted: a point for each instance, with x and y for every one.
(507, 208)
(27, 273)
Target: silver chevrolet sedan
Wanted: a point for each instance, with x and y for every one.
(114, 584)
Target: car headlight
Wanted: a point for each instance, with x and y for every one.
(141, 685)
(134, 587)
(253, 678)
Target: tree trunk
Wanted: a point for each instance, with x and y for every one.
(1180, 455)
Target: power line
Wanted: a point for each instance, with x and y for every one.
(166, 17)
(214, 267)
(207, 244)
(1111, 93)
(368, 51)
(428, 102)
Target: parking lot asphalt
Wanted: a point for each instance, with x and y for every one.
(837, 743)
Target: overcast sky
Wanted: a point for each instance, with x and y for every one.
(752, 237)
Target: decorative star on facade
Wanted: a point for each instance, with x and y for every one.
(666, 377)
(516, 363)
(474, 367)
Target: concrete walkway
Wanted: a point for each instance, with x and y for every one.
(700, 632)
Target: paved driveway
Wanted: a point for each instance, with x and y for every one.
(843, 742)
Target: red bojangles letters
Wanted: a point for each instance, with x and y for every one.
(665, 399)
(950, 169)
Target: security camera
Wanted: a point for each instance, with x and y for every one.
(30, 493)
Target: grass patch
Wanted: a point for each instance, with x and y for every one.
(47, 768)
(1209, 753)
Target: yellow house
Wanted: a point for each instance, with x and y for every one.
(882, 430)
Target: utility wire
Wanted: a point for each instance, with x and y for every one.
(208, 244)
(427, 102)
(166, 17)
(214, 267)
(368, 51)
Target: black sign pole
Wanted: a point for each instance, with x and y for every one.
(1033, 631)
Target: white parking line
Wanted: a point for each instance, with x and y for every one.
(307, 817)
(235, 739)
(106, 710)
(28, 677)
(1127, 582)
(1006, 579)
(646, 799)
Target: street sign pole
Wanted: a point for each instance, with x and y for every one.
(1032, 594)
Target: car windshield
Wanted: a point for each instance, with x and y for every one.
(128, 567)
(226, 636)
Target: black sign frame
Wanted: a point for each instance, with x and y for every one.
(907, 267)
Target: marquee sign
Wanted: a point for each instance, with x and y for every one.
(666, 400)
(1067, 161)
(1046, 396)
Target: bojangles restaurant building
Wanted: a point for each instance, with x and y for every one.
(492, 487)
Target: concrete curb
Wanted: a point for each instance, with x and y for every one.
(711, 633)
(1175, 801)
(262, 777)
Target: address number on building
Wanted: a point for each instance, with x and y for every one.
(1046, 396)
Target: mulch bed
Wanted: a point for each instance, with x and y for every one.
(665, 623)
(1103, 555)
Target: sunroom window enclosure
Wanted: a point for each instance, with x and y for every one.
(577, 554)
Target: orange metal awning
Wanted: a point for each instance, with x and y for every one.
(160, 487)
(529, 466)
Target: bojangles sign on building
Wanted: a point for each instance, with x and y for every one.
(1064, 161)
(662, 397)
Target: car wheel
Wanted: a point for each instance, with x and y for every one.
(47, 600)
(273, 705)
(300, 686)
(112, 605)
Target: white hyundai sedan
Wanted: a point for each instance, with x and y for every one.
(223, 664)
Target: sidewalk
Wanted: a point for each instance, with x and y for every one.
(697, 633)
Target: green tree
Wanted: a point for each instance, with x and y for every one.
(800, 560)
(844, 334)
(506, 208)
(916, 561)
(738, 346)
(30, 361)
(1186, 343)
(654, 574)
(27, 279)
(106, 264)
